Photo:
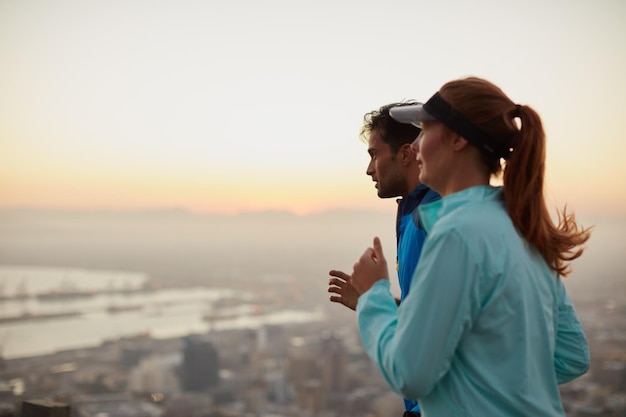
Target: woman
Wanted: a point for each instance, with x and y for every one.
(497, 332)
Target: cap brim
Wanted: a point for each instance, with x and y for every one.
(412, 114)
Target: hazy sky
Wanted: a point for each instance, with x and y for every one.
(237, 105)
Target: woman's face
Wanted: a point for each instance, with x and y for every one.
(433, 154)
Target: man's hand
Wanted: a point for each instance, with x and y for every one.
(343, 291)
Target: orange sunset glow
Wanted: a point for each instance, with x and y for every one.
(202, 107)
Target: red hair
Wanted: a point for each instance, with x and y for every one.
(487, 107)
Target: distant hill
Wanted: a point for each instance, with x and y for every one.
(175, 244)
(183, 247)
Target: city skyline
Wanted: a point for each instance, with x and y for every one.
(227, 107)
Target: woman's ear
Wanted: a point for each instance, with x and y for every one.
(457, 141)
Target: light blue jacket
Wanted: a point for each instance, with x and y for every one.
(487, 328)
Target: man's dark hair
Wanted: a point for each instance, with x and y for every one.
(395, 134)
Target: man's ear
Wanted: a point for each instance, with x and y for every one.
(406, 154)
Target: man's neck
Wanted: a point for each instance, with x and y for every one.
(410, 188)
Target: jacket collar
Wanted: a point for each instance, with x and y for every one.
(432, 212)
(407, 204)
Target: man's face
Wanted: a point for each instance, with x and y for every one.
(384, 168)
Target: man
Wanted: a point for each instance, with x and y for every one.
(394, 169)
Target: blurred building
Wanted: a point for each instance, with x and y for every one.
(318, 373)
(113, 405)
(155, 374)
(271, 341)
(132, 353)
(189, 405)
(333, 361)
(611, 373)
(199, 369)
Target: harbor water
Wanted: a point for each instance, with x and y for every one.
(44, 310)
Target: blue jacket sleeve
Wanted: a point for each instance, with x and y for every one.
(571, 353)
